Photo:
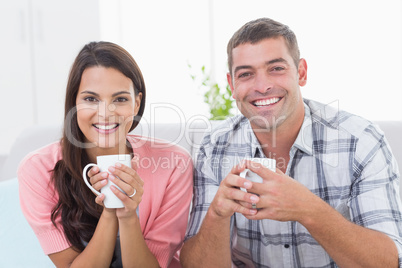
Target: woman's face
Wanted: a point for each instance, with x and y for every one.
(106, 106)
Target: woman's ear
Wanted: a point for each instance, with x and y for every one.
(137, 102)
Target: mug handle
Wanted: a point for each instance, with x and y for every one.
(84, 176)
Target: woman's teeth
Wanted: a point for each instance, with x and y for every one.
(266, 102)
(106, 127)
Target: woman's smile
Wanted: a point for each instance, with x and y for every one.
(106, 128)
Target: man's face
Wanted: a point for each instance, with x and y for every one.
(266, 83)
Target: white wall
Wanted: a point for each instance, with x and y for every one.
(39, 41)
(353, 50)
(163, 37)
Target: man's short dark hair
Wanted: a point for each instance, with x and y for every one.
(260, 29)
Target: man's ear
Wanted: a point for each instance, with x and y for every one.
(230, 82)
(302, 72)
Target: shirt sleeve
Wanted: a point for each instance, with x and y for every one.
(37, 199)
(166, 235)
(375, 201)
(206, 185)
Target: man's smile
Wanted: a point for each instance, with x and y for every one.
(266, 102)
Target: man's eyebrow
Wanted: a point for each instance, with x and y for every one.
(282, 60)
(276, 61)
(238, 68)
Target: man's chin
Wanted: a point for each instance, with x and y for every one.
(266, 121)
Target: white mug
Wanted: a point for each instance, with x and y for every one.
(248, 174)
(104, 162)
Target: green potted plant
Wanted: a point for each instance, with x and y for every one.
(218, 98)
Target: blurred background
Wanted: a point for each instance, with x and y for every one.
(353, 51)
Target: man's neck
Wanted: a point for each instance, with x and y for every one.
(277, 142)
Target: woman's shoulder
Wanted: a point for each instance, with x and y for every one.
(160, 158)
(156, 147)
(42, 159)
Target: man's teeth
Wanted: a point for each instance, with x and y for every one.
(266, 102)
(106, 127)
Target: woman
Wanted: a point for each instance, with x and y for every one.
(105, 100)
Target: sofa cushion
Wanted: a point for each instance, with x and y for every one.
(29, 140)
(15, 232)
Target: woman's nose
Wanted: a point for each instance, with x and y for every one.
(106, 109)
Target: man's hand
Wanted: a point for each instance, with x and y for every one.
(281, 197)
(210, 247)
(230, 199)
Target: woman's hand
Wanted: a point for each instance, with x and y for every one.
(124, 177)
(129, 181)
(98, 180)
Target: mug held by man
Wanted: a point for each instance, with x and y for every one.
(248, 174)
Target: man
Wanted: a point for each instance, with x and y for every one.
(333, 200)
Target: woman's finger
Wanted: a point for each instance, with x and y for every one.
(99, 184)
(93, 171)
(99, 199)
(99, 180)
(129, 189)
(121, 170)
(127, 174)
(129, 202)
(135, 163)
(95, 175)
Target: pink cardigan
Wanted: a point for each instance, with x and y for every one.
(163, 212)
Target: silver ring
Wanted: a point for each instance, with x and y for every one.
(135, 191)
(254, 205)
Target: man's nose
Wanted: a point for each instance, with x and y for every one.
(263, 83)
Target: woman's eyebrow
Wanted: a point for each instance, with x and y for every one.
(90, 92)
(113, 95)
(120, 93)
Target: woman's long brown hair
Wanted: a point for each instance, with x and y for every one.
(76, 205)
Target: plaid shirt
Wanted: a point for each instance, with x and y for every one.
(342, 158)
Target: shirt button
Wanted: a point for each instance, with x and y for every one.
(286, 246)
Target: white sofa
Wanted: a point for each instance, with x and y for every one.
(18, 244)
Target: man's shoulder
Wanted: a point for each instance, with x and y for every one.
(330, 121)
(330, 116)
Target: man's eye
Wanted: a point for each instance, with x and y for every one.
(278, 69)
(90, 99)
(242, 75)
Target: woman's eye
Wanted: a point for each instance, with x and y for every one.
(90, 99)
(121, 99)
